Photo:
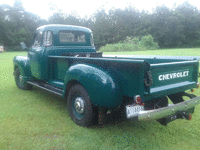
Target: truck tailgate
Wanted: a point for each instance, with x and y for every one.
(173, 77)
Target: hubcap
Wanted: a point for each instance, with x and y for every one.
(20, 79)
(79, 105)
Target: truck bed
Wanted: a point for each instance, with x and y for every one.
(169, 75)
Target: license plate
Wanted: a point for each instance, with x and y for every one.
(132, 111)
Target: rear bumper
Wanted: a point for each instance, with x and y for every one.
(172, 109)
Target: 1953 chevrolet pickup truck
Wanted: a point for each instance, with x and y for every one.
(63, 60)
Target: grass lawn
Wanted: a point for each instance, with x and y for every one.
(164, 52)
(36, 119)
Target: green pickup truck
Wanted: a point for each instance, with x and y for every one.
(63, 60)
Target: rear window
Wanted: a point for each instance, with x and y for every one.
(71, 37)
(47, 39)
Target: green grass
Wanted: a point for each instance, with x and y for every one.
(34, 120)
(164, 52)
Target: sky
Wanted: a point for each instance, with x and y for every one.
(88, 7)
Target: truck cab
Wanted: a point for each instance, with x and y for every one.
(57, 40)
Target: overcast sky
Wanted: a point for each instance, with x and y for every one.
(88, 7)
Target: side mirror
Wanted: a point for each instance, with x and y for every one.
(23, 45)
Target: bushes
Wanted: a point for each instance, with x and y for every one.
(132, 44)
(148, 42)
(14, 48)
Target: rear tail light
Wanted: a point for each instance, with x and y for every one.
(138, 100)
(197, 84)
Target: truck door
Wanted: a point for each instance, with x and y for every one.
(35, 55)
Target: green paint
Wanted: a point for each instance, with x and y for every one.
(62, 67)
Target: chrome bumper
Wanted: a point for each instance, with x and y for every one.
(166, 111)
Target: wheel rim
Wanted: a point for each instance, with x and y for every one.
(78, 106)
(19, 79)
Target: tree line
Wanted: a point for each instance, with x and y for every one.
(170, 27)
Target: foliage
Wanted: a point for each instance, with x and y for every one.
(16, 25)
(132, 44)
(170, 27)
(148, 43)
(14, 48)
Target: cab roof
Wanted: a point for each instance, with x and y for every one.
(59, 27)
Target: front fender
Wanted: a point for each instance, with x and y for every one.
(23, 63)
(102, 89)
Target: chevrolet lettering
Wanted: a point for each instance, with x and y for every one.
(173, 75)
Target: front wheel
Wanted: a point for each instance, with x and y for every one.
(20, 82)
(80, 108)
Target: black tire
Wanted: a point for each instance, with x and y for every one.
(190, 95)
(20, 83)
(178, 97)
(80, 108)
(156, 103)
(161, 102)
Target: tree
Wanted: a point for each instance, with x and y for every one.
(190, 20)
(17, 25)
(175, 27)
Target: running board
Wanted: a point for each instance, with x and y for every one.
(47, 87)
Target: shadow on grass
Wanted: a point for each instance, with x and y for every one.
(116, 118)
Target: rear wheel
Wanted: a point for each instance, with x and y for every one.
(156, 103)
(20, 82)
(179, 97)
(80, 108)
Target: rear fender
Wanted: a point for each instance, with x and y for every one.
(102, 89)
